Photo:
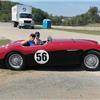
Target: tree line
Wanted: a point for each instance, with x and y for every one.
(5, 12)
(91, 16)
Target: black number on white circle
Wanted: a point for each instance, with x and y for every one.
(41, 56)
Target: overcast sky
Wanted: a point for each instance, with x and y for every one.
(62, 7)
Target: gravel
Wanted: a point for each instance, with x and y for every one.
(45, 83)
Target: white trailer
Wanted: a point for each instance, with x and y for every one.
(22, 16)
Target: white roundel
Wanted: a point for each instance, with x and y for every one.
(41, 57)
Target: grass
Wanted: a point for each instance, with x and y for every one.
(38, 27)
(94, 25)
(4, 41)
(80, 31)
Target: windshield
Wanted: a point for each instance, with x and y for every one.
(23, 15)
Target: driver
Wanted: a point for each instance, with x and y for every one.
(29, 41)
(37, 39)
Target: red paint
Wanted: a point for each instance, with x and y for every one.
(61, 44)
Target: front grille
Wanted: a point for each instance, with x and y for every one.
(27, 21)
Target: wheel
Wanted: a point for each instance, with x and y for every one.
(91, 61)
(15, 24)
(32, 27)
(20, 27)
(15, 61)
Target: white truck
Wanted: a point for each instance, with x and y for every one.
(22, 16)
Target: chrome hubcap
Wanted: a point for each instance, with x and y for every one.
(91, 61)
(15, 61)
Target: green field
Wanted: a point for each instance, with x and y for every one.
(79, 31)
(4, 41)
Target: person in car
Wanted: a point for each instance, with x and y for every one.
(30, 41)
(37, 39)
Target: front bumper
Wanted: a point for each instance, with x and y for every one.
(26, 24)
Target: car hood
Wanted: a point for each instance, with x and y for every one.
(76, 41)
(84, 41)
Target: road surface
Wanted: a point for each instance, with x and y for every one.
(47, 83)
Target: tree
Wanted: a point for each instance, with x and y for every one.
(93, 15)
(5, 10)
(39, 15)
(93, 11)
(56, 20)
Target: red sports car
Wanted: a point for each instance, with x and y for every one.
(53, 52)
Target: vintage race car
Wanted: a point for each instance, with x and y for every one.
(52, 53)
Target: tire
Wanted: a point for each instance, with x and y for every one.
(15, 61)
(32, 27)
(91, 61)
(15, 24)
(20, 27)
